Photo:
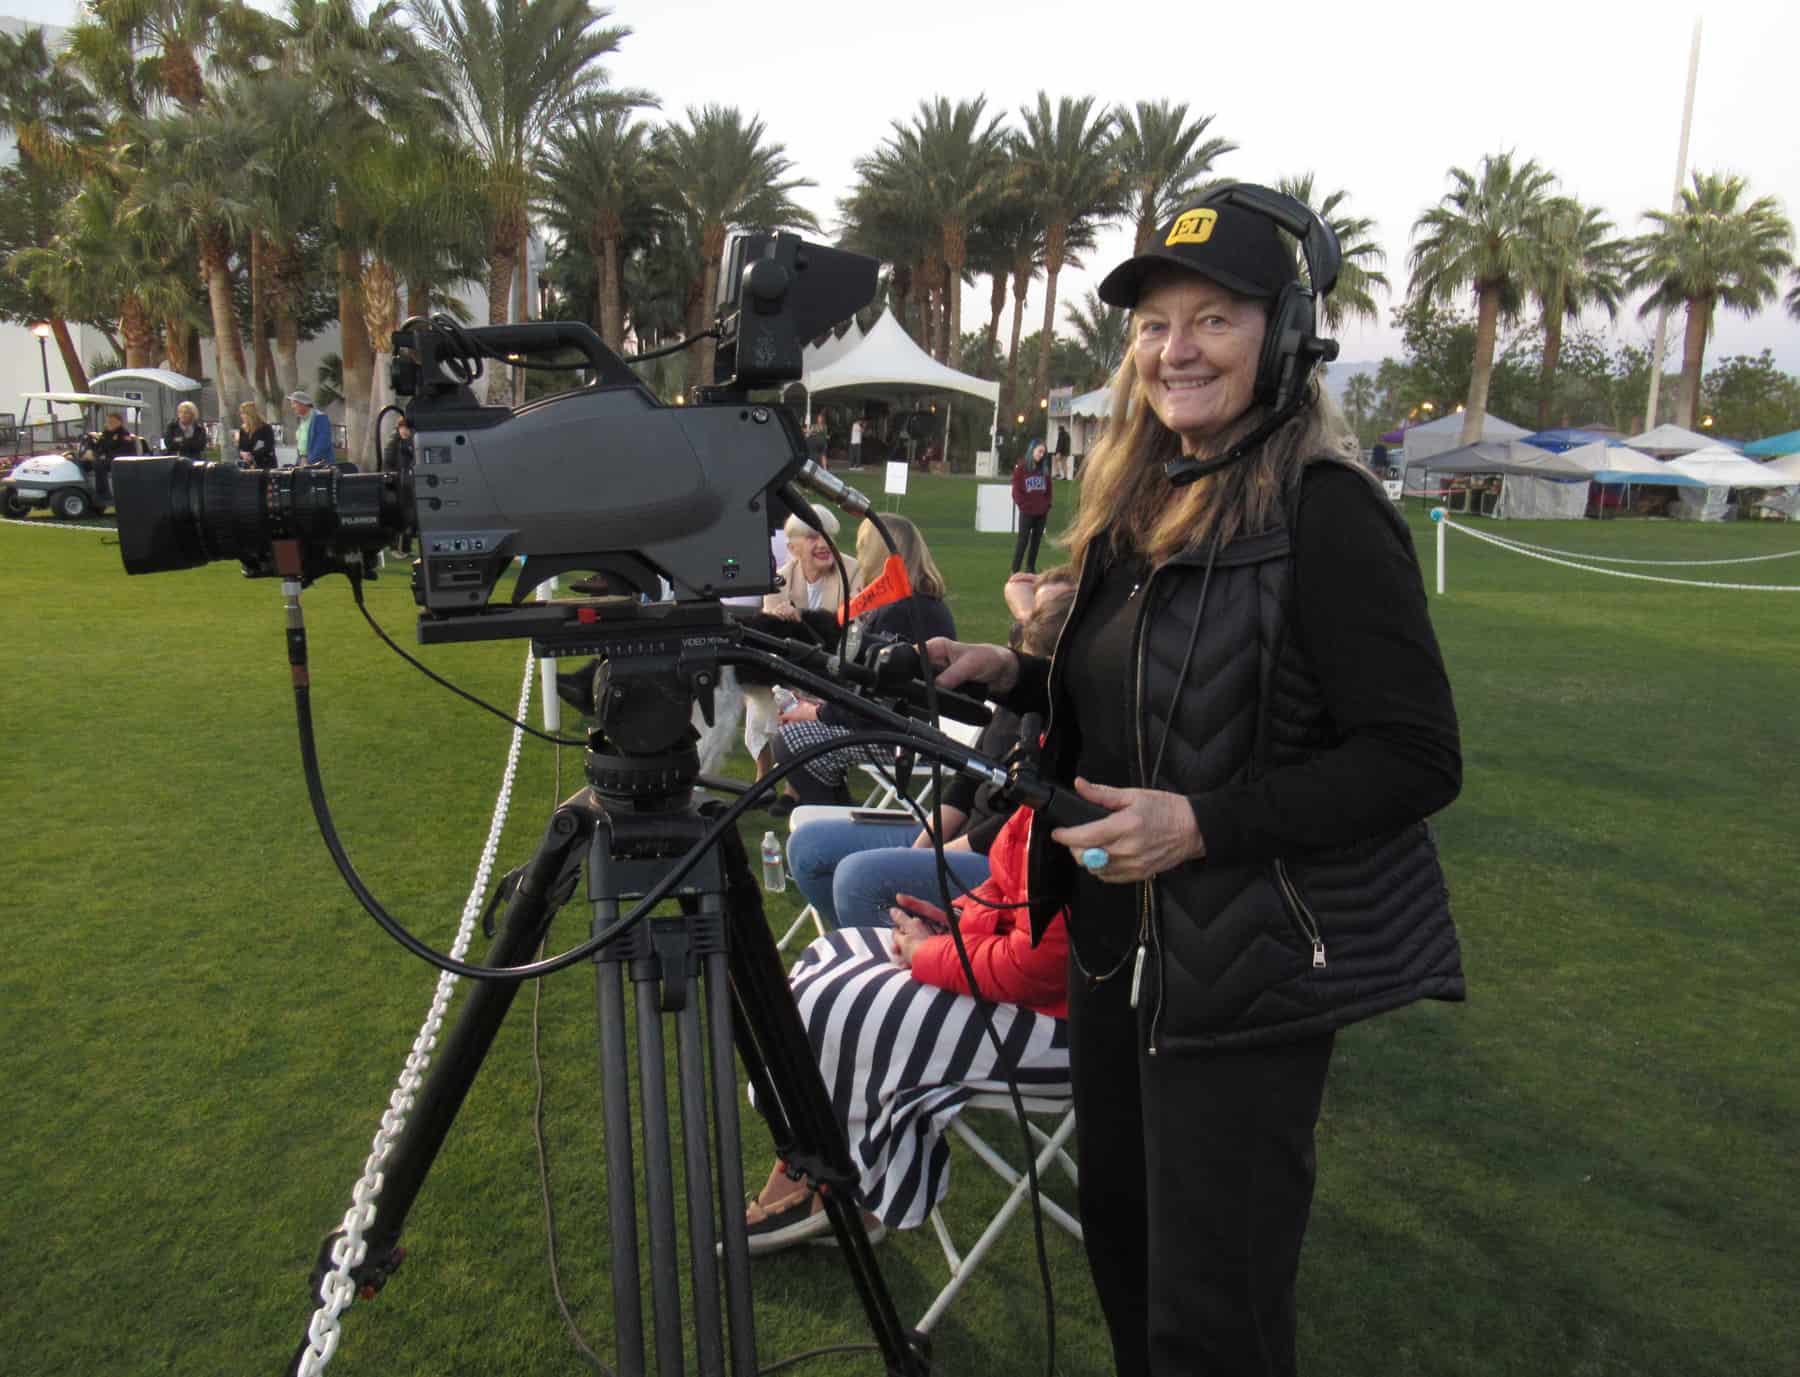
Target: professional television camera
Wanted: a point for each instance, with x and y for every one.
(674, 507)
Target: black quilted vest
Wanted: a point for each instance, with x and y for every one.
(1242, 954)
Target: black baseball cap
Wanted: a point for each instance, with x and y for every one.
(1237, 248)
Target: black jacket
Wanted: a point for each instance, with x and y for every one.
(259, 444)
(1268, 937)
(189, 447)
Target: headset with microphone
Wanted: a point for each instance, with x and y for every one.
(1292, 347)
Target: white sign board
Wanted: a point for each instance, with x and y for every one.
(896, 477)
(994, 509)
(987, 464)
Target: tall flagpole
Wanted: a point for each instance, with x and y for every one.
(1662, 314)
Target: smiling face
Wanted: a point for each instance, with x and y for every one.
(814, 555)
(1197, 346)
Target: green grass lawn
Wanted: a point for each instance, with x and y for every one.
(1583, 1170)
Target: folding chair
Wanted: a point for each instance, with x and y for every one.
(812, 812)
(884, 791)
(1052, 1147)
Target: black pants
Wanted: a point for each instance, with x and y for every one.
(1196, 1184)
(1031, 529)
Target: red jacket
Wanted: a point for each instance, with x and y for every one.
(1008, 969)
(1031, 489)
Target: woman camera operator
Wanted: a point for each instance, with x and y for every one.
(1249, 686)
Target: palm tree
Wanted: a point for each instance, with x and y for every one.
(1064, 162)
(150, 49)
(205, 161)
(1482, 236)
(1101, 333)
(1793, 297)
(721, 176)
(1713, 251)
(949, 164)
(1359, 401)
(878, 218)
(1578, 266)
(513, 71)
(56, 123)
(596, 191)
(1361, 258)
(1163, 159)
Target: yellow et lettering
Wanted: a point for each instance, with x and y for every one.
(1194, 227)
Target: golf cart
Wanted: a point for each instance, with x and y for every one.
(64, 480)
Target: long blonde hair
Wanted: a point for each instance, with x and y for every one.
(250, 416)
(1126, 498)
(872, 552)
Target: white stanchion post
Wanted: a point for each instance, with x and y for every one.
(547, 673)
(1437, 519)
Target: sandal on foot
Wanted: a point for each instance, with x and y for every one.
(782, 1226)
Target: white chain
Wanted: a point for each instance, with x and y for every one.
(1513, 547)
(1520, 545)
(338, 1288)
(53, 525)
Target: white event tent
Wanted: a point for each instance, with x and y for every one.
(819, 356)
(1666, 440)
(886, 364)
(1723, 469)
(1445, 433)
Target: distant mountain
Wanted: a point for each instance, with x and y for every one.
(1338, 375)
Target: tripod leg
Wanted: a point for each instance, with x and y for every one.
(659, 1185)
(621, 1178)
(730, 1153)
(460, 1056)
(702, 1238)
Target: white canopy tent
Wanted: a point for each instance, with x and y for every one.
(1087, 418)
(1666, 440)
(824, 355)
(1722, 470)
(1445, 433)
(886, 364)
(1789, 465)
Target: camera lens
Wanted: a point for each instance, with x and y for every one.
(180, 513)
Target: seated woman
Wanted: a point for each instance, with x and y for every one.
(850, 870)
(808, 724)
(810, 582)
(895, 1091)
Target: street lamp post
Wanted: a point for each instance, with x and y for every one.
(42, 331)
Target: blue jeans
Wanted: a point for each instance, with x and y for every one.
(850, 871)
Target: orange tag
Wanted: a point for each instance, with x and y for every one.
(892, 586)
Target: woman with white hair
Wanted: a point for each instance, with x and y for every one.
(185, 435)
(810, 582)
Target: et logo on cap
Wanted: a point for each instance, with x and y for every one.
(1194, 227)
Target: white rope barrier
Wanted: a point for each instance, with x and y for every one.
(1620, 559)
(338, 1288)
(1519, 548)
(53, 525)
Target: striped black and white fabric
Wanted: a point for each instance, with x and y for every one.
(900, 1058)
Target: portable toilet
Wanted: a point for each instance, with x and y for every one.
(157, 391)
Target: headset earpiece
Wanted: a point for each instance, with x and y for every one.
(1280, 371)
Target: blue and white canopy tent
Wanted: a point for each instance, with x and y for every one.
(1771, 446)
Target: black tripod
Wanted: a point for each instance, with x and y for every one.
(714, 967)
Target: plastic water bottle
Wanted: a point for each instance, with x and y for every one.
(774, 875)
(784, 697)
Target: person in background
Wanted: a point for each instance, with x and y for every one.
(255, 438)
(1031, 494)
(856, 443)
(185, 435)
(397, 454)
(922, 613)
(1064, 465)
(312, 430)
(810, 582)
(1263, 874)
(850, 869)
(818, 443)
(111, 442)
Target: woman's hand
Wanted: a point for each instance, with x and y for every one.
(1020, 595)
(911, 928)
(1149, 831)
(803, 711)
(957, 664)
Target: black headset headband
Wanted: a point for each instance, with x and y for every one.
(1318, 241)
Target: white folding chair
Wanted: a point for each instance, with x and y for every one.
(814, 812)
(1052, 1148)
(884, 789)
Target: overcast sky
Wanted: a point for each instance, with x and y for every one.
(1377, 99)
